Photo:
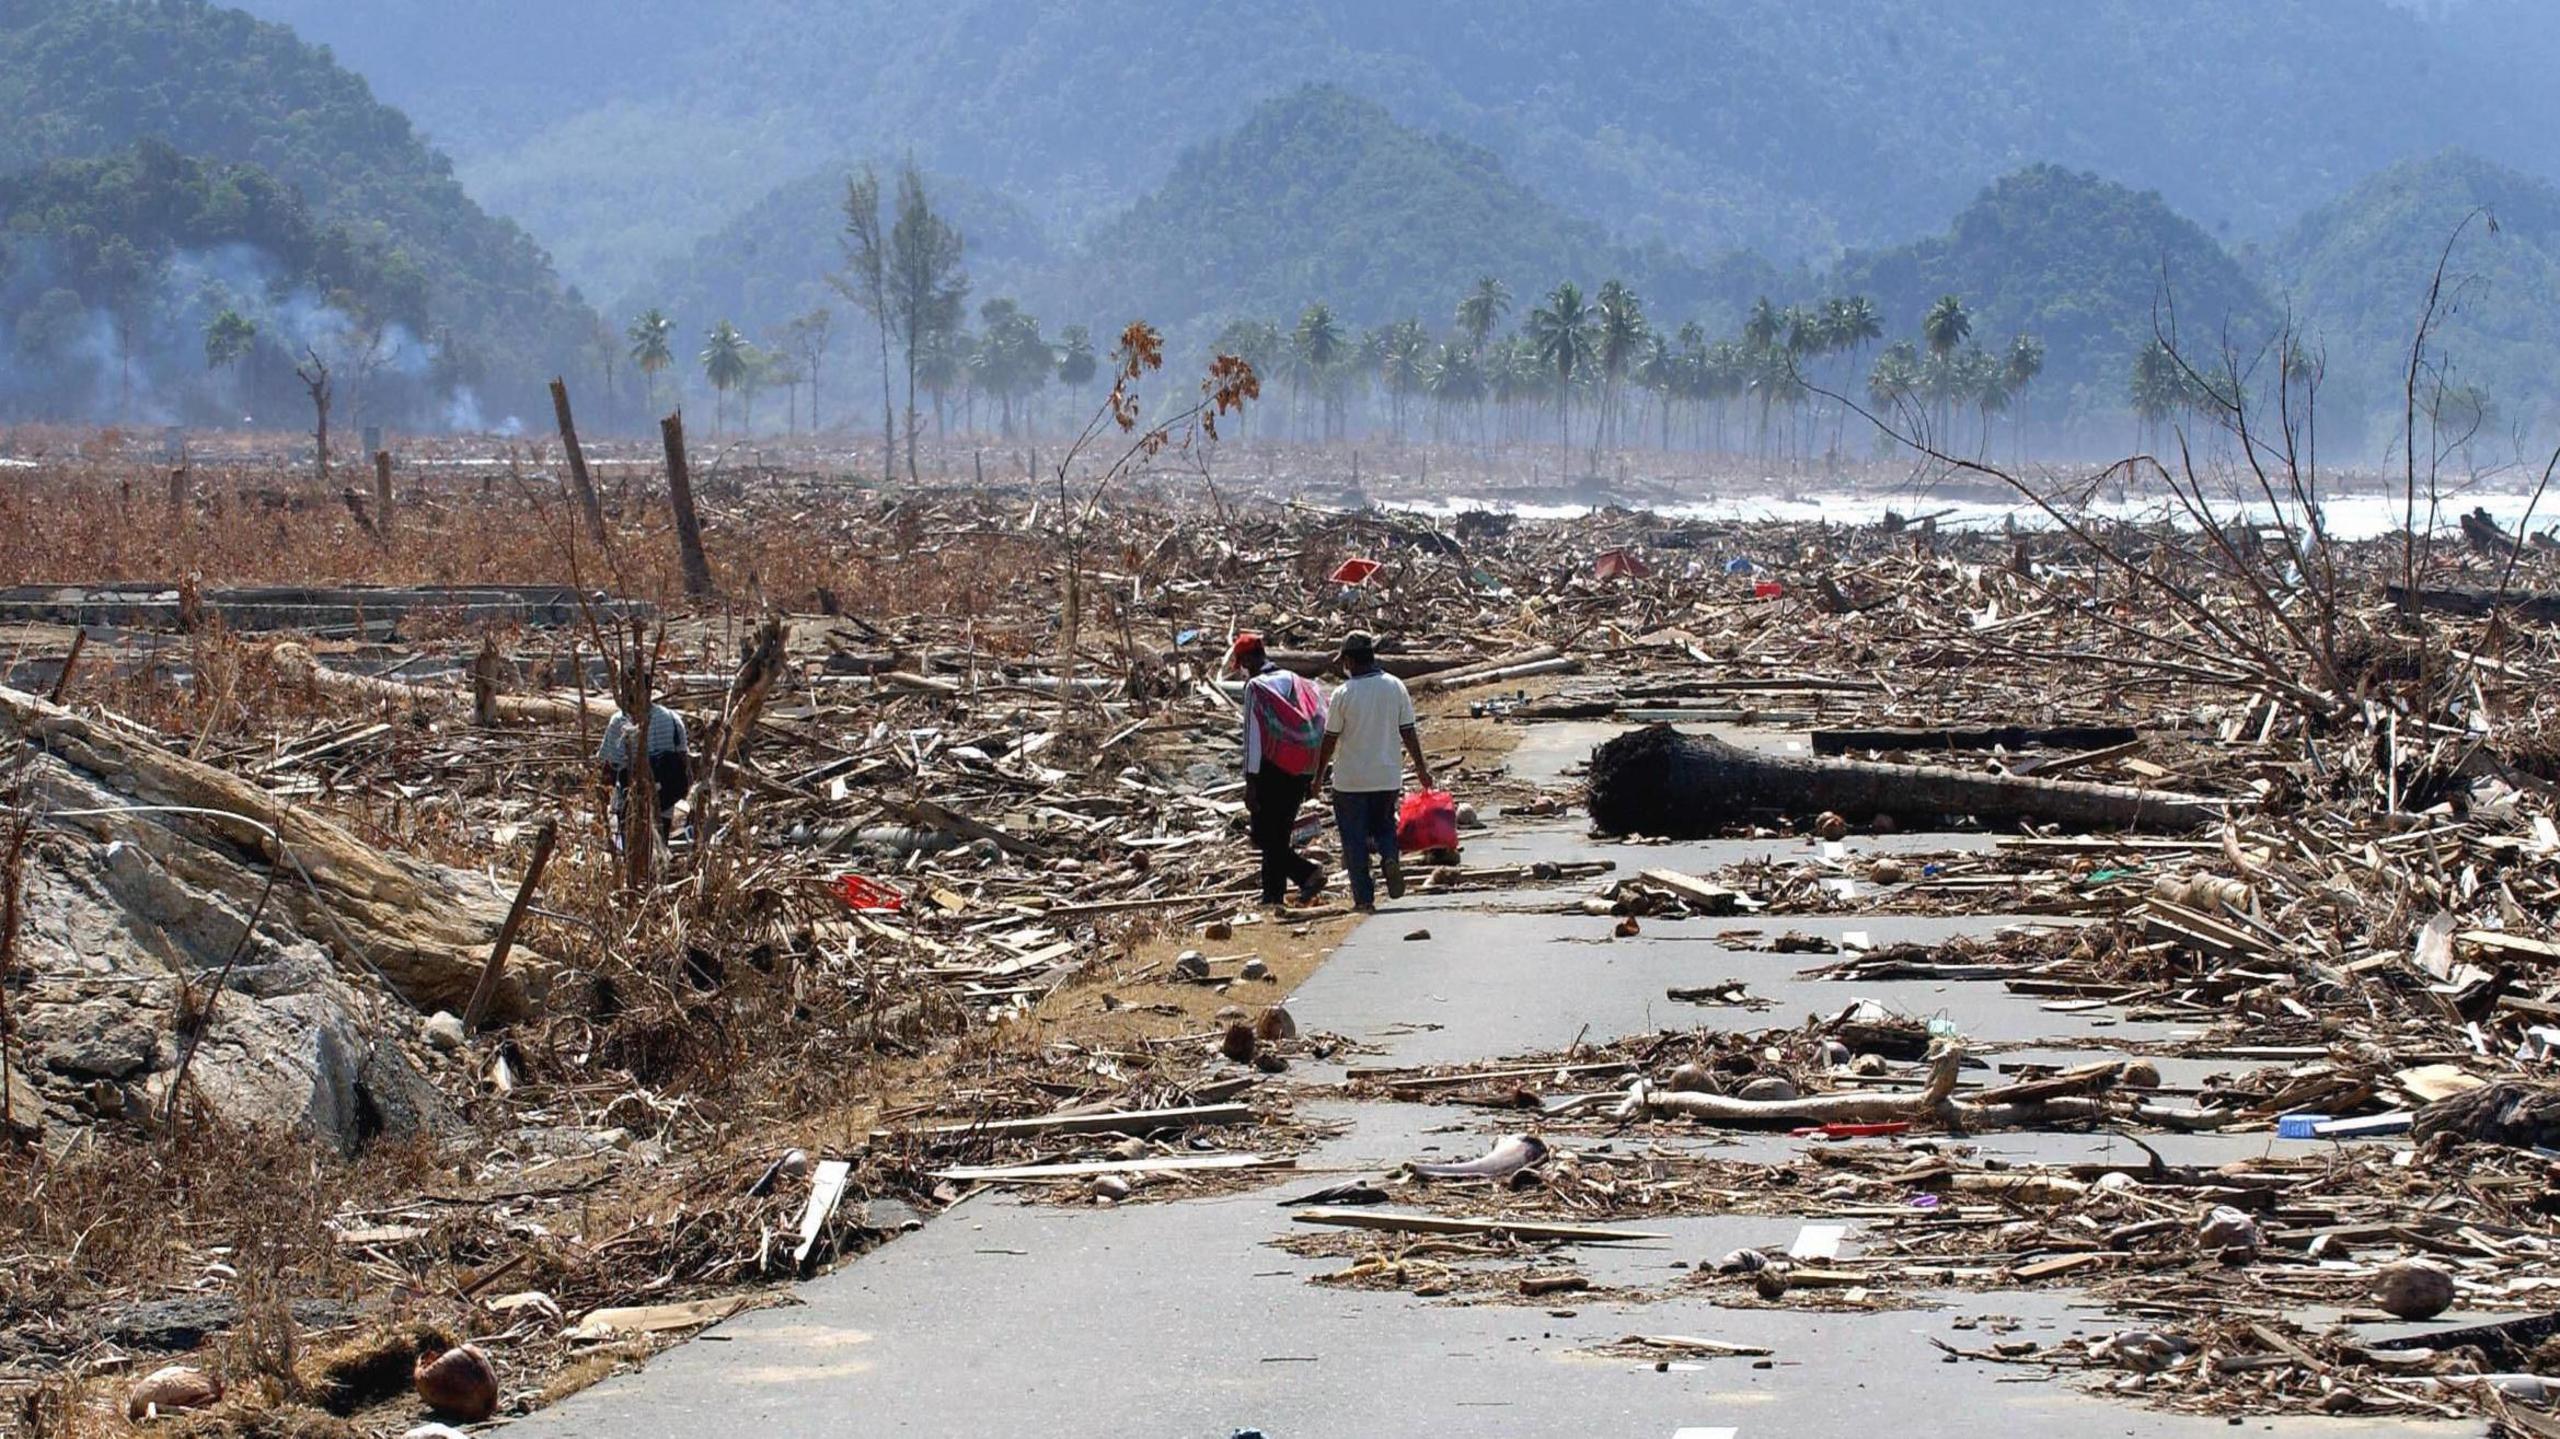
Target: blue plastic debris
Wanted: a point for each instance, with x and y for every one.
(1738, 565)
(2299, 1126)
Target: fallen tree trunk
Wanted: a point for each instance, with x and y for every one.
(1543, 659)
(420, 926)
(1315, 663)
(2068, 1097)
(2010, 737)
(297, 665)
(1658, 781)
(2456, 600)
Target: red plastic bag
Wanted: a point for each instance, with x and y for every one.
(1767, 590)
(1354, 571)
(866, 896)
(1427, 819)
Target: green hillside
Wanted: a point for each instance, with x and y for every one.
(2357, 271)
(1322, 196)
(771, 262)
(82, 79)
(2084, 264)
(150, 286)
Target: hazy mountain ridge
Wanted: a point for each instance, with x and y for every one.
(1764, 124)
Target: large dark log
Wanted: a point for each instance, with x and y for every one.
(2007, 736)
(1658, 781)
(2452, 600)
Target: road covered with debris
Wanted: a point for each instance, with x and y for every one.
(2099, 975)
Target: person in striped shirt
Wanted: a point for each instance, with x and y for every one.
(669, 754)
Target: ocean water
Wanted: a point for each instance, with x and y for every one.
(2348, 517)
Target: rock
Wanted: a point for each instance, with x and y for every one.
(1218, 929)
(1468, 818)
(25, 1109)
(1886, 871)
(103, 1039)
(1775, 1088)
(1689, 1079)
(1111, 1188)
(459, 1383)
(2228, 1232)
(1829, 825)
(170, 1389)
(2140, 1074)
(445, 1032)
(1274, 1024)
(2413, 1289)
(1239, 1044)
(1255, 970)
(174, 1326)
(1770, 1282)
(793, 1164)
(1417, 934)
(1191, 965)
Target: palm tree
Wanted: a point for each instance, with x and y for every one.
(1619, 334)
(725, 361)
(1315, 348)
(1945, 327)
(2155, 389)
(1483, 309)
(1764, 325)
(1405, 350)
(1660, 373)
(652, 338)
(2025, 361)
(1854, 324)
(1561, 333)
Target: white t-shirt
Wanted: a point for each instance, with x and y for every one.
(1369, 714)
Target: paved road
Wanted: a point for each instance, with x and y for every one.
(1002, 1319)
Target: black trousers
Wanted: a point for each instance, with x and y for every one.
(670, 775)
(1271, 800)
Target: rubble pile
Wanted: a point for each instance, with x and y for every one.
(959, 898)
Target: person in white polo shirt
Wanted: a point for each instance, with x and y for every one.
(1369, 731)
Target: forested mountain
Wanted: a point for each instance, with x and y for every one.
(2086, 265)
(151, 286)
(2357, 272)
(1788, 128)
(1322, 196)
(87, 78)
(771, 263)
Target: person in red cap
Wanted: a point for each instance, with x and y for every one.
(1283, 729)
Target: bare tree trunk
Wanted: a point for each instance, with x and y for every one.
(697, 570)
(385, 515)
(591, 507)
(1658, 781)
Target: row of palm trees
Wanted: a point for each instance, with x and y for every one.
(1600, 355)
(1006, 361)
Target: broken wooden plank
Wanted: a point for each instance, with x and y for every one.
(1441, 1224)
(826, 1191)
(1115, 1121)
(1081, 1169)
(657, 1318)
